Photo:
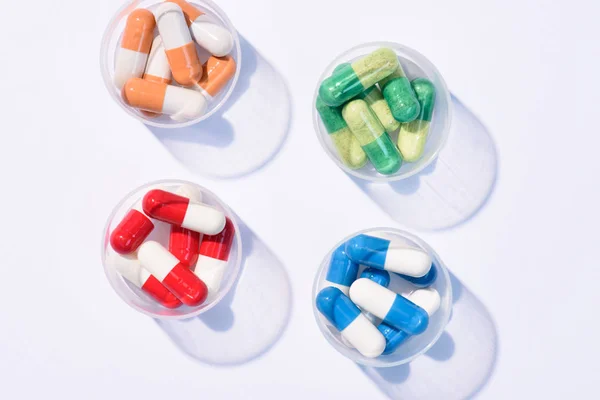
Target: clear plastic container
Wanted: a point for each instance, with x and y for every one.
(135, 297)
(415, 345)
(112, 40)
(415, 65)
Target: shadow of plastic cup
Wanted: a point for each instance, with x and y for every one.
(460, 363)
(249, 320)
(452, 188)
(246, 133)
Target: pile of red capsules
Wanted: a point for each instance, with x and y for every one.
(200, 241)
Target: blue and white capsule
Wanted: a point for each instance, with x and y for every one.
(347, 318)
(342, 270)
(428, 299)
(393, 309)
(378, 276)
(423, 281)
(382, 254)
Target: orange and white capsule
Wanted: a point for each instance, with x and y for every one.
(207, 32)
(157, 68)
(180, 103)
(216, 73)
(135, 45)
(179, 47)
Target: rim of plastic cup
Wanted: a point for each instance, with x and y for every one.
(382, 361)
(106, 69)
(443, 95)
(233, 264)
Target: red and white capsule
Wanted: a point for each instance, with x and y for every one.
(184, 243)
(130, 268)
(176, 277)
(181, 211)
(214, 254)
(131, 231)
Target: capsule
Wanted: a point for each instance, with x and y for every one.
(135, 45)
(176, 277)
(184, 243)
(180, 103)
(216, 74)
(423, 281)
(400, 96)
(381, 278)
(130, 268)
(374, 98)
(214, 254)
(371, 135)
(179, 47)
(413, 135)
(395, 310)
(157, 68)
(345, 143)
(354, 78)
(380, 253)
(378, 276)
(342, 271)
(428, 299)
(347, 318)
(208, 33)
(178, 210)
(131, 232)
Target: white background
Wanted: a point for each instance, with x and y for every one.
(527, 69)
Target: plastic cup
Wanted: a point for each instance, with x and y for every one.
(134, 296)
(413, 346)
(415, 65)
(111, 42)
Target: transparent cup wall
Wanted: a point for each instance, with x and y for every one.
(135, 297)
(415, 345)
(111, 43)
(415, 65)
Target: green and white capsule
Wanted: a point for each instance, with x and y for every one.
(380, 107)
(413, 135)
(375, 100)
(347, 146)
(371, 135)
(400, 96)
(354, 78)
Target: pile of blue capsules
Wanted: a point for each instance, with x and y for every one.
(370, 317)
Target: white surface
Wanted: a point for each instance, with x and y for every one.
(527, 69)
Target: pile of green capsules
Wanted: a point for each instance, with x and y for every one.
(364, 103)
